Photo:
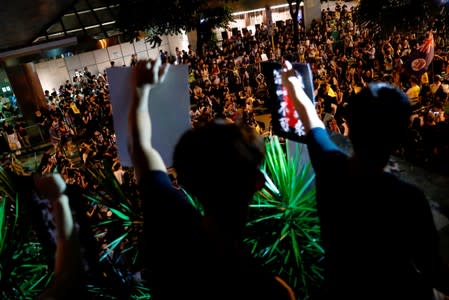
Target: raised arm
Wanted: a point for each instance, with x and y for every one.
(68, 264)
(145, 76)
(303, 105)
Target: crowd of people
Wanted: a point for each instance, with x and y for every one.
(227, 82)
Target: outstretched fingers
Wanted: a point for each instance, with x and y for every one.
(150, 71)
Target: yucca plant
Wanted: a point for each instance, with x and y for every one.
(120, 234)
(284, 230)
(24, 271)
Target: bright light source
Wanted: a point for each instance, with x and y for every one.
(103, 43)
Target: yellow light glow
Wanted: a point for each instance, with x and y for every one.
(103, 43)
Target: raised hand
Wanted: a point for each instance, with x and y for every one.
(146, 74)
(149, 72)
(50, 186)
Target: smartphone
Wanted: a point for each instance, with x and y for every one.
(284, 117)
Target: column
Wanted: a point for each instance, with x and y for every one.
(27, 89)
(312, 11)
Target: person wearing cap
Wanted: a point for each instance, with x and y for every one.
(377, 231)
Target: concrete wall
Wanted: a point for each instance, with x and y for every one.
(54, 72)
(312, 10)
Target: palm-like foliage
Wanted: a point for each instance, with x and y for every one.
(283, 231)
(118, 231)
(284, 227)
(24, 271)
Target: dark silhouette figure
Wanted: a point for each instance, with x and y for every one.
(378, 231)
(198, 253)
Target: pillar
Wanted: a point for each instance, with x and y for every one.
(27, 89)
(192, 38)
(312, 11)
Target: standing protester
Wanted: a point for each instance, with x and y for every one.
(193, 255)
(378, 231)
(13, 138)
(22, 133)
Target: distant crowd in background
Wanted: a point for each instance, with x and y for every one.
(227, 82)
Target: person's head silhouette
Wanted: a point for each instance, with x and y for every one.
(219, 164)
(378, 119)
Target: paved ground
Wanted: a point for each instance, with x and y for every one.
(436, 188)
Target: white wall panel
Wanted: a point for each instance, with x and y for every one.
(153, 53)
(119, 62)
(87, 58)
(73, 62)
(103, 66)
(115, 52)
(101, 55)
(140, 46)
(127, 49)
(142, 55)
(52, 73)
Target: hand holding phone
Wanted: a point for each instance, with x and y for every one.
(285, 118)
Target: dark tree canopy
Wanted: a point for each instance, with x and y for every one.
(159, 17)
(385, 16)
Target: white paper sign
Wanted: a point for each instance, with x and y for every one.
(169, 110)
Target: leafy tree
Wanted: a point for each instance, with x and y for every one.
(386, 16)
(159, 17)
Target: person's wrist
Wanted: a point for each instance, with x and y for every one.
(61, 199)
(143, 94)
(143, 90)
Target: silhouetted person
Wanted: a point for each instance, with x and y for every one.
(156, 41)
(133, 60)
(67, 283)
(194, 255)
(377, 231)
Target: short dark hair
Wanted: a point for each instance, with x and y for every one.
(217, 157)
(378, 118)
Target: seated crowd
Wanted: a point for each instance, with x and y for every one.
(227, 82)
